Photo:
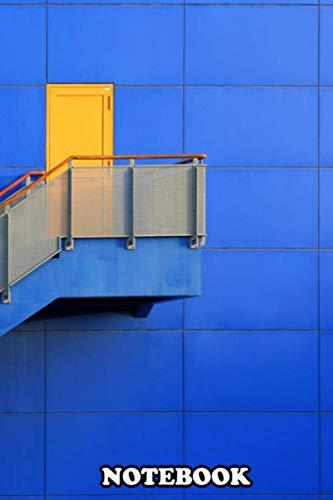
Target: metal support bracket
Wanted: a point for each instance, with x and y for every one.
(194, 242)
(131, 240)
(130, 243)
(6, 294)
(197, 241)
(69, 241)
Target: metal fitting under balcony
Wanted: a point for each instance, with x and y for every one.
(131, 230)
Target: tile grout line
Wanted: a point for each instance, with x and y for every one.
(319, 254)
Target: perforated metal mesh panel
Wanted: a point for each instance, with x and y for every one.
(30, 243)
(3, 250)
(164, 201)
(56, 199)
(101, 198)
(160, 200)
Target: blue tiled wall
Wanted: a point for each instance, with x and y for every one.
(244, 373)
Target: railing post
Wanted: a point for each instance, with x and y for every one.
(69, 242)
(6, 295)
(195, 238)
(131, 241)
(27, 183)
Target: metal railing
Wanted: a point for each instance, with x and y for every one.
(120, 201)
(26, 178)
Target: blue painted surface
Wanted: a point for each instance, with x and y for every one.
(256, 326)
(22, 460)
(240, 126)
(251, 371)
(326, 45)
(326, 118)
(22, 123)
(254, 289)
(260, 440)
(251, 496)
(278, 45)
(138, 362)
(23, 45)
(326, 289)
(263, 208)
(142, 438)
(128, 496)
(326, 208)
(96, 35)
(156, 117)
(326, 352)
(327, 452)
(22, 359)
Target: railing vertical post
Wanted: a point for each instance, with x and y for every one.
(69, 242)
(194, 239)
(130, 241)
(6, 295)
(27, 183)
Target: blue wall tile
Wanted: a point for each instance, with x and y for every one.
(21, 438)
(22, 372)
(122, 44)
(262, 207)
(142, 370)
(289, 441)
(326, 379)
(245, 289)
(277, 45)
(326, 289)
(110, 2)
(148, 120)
(22, 44)
(22, 2)
(114, 496)
(22, 126)
(327, 452)
(326, 208)
(253, 126)
(19, 497)
(326, 124)
(256, 2)
(251, 496)
(254, 371)
(326, 45)
(79, 444)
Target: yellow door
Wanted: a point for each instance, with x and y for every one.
(79, 122)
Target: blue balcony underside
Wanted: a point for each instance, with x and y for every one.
(103, 271)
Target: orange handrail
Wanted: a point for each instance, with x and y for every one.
(185, 158)
(18, 181)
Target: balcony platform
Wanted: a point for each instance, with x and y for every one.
(101, 237)
(159, 269)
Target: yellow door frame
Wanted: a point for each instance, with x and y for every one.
(106, 90)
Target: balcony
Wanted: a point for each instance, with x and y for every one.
(100, 236)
